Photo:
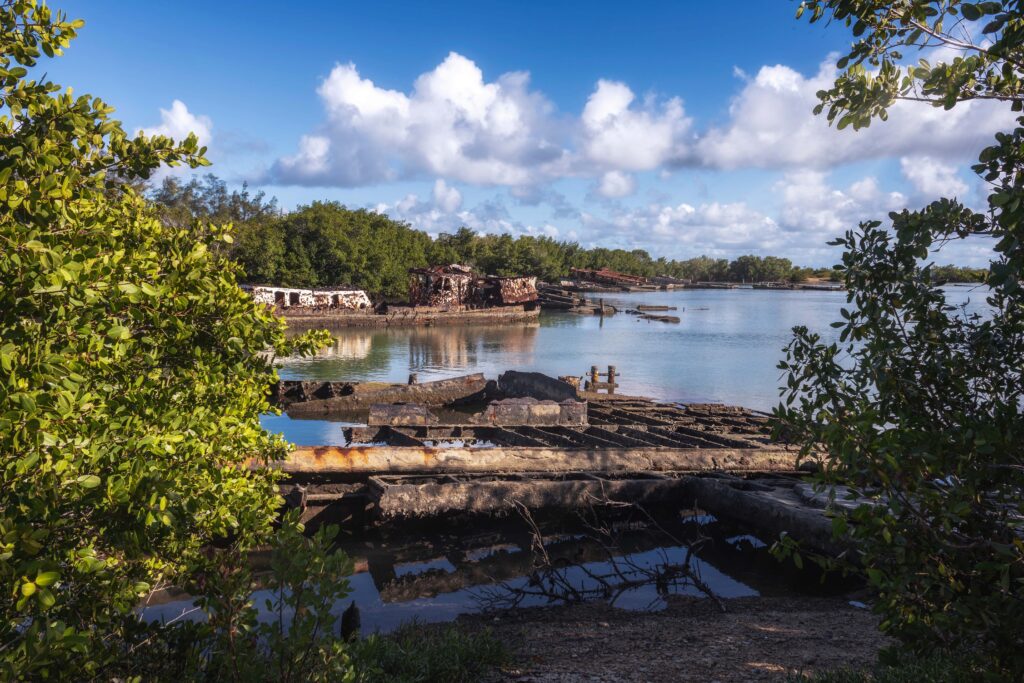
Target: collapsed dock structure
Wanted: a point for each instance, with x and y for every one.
(471, 446)
(604, 279)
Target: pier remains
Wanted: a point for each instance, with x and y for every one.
(472, 446)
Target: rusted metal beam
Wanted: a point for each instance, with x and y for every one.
(364, 461)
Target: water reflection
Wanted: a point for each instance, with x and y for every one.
(391, 354)
(434, 573)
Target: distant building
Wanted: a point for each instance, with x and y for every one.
(284, 297)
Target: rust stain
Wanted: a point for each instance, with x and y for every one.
(330, 457)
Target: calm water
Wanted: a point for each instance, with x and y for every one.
(725, 349)
(435, 574)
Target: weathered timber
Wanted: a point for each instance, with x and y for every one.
(365, 460)
(400, 415)
(436, 393)
(772, 512)
(530, 411)
(645, 307)
(510, 411)
(415, 497)
(515, 384)
(660, 318)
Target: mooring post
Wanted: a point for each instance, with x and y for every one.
(414, 378)
(611, 379)
(601, 301)
(595, 377)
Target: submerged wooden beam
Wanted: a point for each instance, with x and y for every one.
(492, 495)
(367, 460)
(771, 512)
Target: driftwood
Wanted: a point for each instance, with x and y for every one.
(606, 579)
(769, 509)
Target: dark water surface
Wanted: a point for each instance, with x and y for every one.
(434, 574)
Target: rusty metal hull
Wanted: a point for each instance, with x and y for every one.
(411, 317)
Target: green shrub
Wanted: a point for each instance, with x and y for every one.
(424, 654)
(133, 375)
(919, 405)
(911, 670)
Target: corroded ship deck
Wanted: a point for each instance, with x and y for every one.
(539, 445)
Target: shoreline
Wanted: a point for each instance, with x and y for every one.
(754, 639)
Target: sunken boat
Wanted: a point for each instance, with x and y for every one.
(469, 446)
(441, 295)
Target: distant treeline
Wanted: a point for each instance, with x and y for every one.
(326, 244)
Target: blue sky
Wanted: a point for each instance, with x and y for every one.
(679, 127)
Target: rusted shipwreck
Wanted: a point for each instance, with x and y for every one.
(441, 295)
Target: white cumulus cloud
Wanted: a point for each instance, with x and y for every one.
(453, 124)
(616, 184)
(814, 211)
(933, 178)
(177, 122)
(771, 125)
(618, 135)
(447, 199)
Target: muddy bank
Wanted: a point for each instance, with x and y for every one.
(756, 639)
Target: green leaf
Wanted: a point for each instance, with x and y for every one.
(47, 578)
(118, 332)
(88, 481)
(970, 11)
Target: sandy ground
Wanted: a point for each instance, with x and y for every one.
(756, 639)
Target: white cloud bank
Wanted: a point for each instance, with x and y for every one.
(455, 124)
(771, 125)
